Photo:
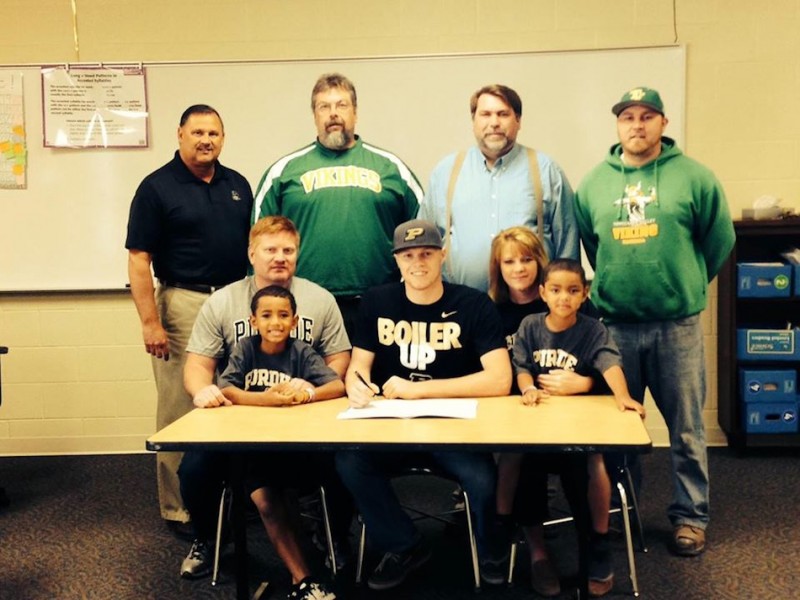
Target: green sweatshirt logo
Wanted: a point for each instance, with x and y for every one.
(635, 227)
(346, 176)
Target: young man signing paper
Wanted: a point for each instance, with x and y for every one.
(422, 338)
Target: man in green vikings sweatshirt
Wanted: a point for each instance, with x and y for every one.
(656, 229)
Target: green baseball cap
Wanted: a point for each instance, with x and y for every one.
(640, 96)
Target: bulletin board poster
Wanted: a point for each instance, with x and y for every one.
(13, 150)
(90, 107)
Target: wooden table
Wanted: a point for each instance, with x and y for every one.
(559, 424)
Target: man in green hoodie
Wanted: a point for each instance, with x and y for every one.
(656, 228)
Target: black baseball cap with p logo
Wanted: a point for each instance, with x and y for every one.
(416, 233)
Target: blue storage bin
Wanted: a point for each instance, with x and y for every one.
(770, 417)
(764, 280)
(767, 344)
(768, 385)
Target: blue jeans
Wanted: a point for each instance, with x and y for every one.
(667, 357)
(367, 475)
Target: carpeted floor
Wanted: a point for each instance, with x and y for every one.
(86, 527)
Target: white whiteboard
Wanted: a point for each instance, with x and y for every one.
(66, 231)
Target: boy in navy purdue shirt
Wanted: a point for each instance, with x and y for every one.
(563, 338)
(272, 369)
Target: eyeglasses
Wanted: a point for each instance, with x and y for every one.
(325, 108)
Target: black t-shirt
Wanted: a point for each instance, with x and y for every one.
(442, 340)
(196, 232)
(512, 315)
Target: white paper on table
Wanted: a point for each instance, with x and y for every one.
(408, 409)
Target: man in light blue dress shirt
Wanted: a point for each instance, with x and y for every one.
(494, 190)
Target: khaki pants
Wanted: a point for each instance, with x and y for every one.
(178, 310)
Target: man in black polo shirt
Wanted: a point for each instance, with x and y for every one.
(190, 219)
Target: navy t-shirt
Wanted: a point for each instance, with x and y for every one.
(252, 370)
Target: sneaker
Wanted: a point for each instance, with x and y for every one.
(688, 540)
(601, 568)
(199, 562)
(309, 589)
(492, 572)
(544, 579)
(394, 568)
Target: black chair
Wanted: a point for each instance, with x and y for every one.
(3, 497)
(623, 482)
(443, 517)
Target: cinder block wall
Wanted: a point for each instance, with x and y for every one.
(77, 379)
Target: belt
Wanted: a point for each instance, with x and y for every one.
(192, 287)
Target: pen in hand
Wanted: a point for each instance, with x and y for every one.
(368, 386)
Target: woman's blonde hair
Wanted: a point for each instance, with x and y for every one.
(528, 244)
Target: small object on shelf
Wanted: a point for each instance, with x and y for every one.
(761, 214)
(764, 207)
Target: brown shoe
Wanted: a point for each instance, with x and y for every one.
(600, 588)
(544, 580)
(688, 540)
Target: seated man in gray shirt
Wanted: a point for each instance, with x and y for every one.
(223, 321)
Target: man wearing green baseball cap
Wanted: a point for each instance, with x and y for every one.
(640, 96)
(650, 210)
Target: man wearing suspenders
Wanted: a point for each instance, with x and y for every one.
(496, 184)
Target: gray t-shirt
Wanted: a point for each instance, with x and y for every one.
(225, 319)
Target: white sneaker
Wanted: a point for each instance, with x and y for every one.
(199, 562)
(308, 589)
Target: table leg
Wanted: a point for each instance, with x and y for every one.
(239, 526)
(583, 525)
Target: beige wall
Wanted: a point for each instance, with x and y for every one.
(76, 379)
